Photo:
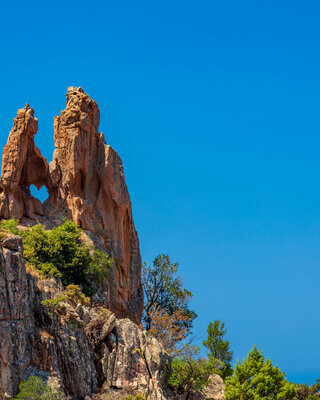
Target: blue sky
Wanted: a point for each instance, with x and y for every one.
(214, 109)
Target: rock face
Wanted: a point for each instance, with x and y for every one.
(22, 166)
(85, 182)
(137, 362)
(83, 351)
(15, 316)
(79, 349)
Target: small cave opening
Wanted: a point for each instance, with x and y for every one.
(41, 194)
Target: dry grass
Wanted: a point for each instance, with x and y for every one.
(3, 234)
(32, 270)
(45, 335)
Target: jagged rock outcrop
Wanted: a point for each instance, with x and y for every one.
(80, 349)
(84, 350)
(22, 166)
(15, 316)
(136, 362)
(214, 391)
(85, 182)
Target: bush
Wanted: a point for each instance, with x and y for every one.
(189, 371)
(74, 294)
(35, 389)
(10, 225)
(139, 396)
(60, 253)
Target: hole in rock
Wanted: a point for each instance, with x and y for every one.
(41, 194)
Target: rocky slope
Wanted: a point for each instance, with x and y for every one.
(86, 349)
(86, 183)
(82, 350)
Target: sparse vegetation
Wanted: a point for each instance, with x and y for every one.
(72, 294)
(10, 225)
(35, 389)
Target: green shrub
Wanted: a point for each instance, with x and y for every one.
(139, 396)
(100, 265)
(35, 389)
(10, 225)
(189, 371)
(74, 294)
(61, 253)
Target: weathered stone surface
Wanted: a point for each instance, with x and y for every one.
(80, 351)
(216, 389)
(137, 362)
(22, 166)
(29, 344)
(89, 187)
(83, 350)
(15, 320)
(86, 183)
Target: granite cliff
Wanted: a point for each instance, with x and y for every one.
(85, 182)
(88, 351)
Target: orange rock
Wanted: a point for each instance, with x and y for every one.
(86, 183)
(22, 166)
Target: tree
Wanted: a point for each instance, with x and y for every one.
(189, 371)
(218, 347)
(164, 290)
(35, 389)
(306, 392)
(169, 329)
(255, 378)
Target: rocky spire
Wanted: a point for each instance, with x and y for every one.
(86, 183)
(22, 166)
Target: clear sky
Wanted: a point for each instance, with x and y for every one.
(214, 109)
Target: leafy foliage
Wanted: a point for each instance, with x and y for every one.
(163, 290)
(219, 348)
(306, 392)
(35, 389)
(169, 329)
(61, 253)
(255, 378)
(189, 371)
(10, 225)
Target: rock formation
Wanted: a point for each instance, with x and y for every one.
(87, 349)
(85, 182)
(71, 354)
(22, 166)
(80, 349)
